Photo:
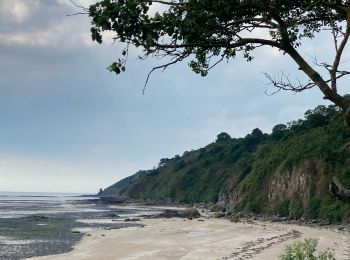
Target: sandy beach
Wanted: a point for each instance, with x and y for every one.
(200, 239)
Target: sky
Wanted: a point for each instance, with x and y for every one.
(69, 125)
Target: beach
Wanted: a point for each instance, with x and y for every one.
(204, 238)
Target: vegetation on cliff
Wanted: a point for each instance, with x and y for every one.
(291, 172)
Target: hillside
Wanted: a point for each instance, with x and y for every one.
(301, 169)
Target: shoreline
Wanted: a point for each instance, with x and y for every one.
(203, 238)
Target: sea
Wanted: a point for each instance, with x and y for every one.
(39, 224)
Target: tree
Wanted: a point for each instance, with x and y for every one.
(223, 137)
(211, 31)
(278, 131)
(319, 116)
(163, 162)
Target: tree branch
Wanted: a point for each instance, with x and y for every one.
(238, 43)
(162, 67)
(339, 52)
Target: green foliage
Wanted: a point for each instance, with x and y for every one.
(222, 137)
(333, 209)
(344, 173)
(296, 208)
(279, 131)
(283, 208)
(313, 208)
(205, 29)
(305, 250)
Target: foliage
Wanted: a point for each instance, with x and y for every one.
(279, 131)
(305, 250)
(283, 208)
(222, 137)
(212, 28)
(296, 209)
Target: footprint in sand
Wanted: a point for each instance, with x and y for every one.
(252, 248)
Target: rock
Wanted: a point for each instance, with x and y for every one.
(131, 219)
(168, 213)
(190, 213)
(216, 208)
(275, 219)
(235, 219)
(112, 215)
(220, 215)
(36, 218)
(324, 223)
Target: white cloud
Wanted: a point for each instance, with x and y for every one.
(17, 11)
(32, 23)
(65, 34)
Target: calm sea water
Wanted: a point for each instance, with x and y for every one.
(20, 204)
(35, 224)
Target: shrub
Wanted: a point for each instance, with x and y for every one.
(305, 250)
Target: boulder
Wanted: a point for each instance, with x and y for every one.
(168, 213)
(191, 213)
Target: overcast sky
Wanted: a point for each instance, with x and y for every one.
(69, 125)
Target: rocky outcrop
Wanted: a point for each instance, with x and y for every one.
(339, 190)
(189, 213)
(298, 181)
(302, 180)
(229, 195)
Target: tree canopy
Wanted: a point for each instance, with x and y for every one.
(210, 31)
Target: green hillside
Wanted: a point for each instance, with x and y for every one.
(288, 172)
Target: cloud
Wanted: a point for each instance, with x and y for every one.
(33, 23)
(17, 11)
(66, 34)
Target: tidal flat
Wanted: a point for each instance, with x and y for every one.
(44, 225)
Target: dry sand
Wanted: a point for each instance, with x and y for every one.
(194, 239)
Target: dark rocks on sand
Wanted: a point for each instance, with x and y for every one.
(217, 208)
(36, 218)
(168, 213)
(189, 213)
(220, 215)
(131, 219)
(235, 219)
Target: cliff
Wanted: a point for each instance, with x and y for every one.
(301, 169)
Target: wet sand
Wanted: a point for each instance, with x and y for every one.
(200, 239)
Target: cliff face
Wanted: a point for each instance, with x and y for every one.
(300, 170)
(311, 174)
(303, 182)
